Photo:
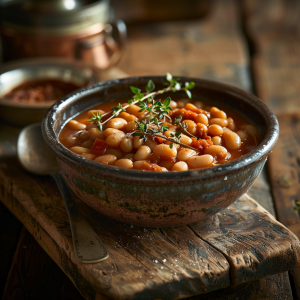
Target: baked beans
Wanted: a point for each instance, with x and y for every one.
(208, 138)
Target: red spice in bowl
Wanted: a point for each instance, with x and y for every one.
(42, 90)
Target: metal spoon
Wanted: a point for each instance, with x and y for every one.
(36, 158)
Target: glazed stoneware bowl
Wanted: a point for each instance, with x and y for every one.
(152, 198)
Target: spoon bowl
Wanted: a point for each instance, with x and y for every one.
(33, 153)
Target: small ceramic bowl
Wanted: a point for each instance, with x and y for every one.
(159, 199)
(15, 73)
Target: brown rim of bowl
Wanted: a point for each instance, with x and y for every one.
(35, 62)
(151, 178)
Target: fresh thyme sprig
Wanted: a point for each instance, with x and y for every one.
(97, 119)
(155, 111)
(173, 85)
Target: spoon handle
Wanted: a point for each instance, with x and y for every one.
(87, 245)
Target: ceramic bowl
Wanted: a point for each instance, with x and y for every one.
(152, 198)
(15, 73)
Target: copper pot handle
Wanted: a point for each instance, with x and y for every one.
(104, 50)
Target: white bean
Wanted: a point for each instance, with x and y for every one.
(219, 121)
(107, 132)
(243, 135)
(115, 139)
(138, 164)
(74, 125)
(95, 133)
(117, 123)
(137, 142)
(124, 163)
(70, 141)
(128, 117)
(191, 126)
(95, 112)
(180, 166)
(165, 150)
(202, 161)
(130, 126)
(142, 153)
(217, 113)
(80, 150)
(202, 118)
(215, 130)
(216, 140)
(126, 144)
(84, 135)
(108, 159)
(232, 140)
(231, 124)
(150, 143)
(215, 150)
(184, 154)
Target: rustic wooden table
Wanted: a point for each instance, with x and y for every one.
(250, 44)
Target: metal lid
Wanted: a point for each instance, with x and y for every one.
(53, 16)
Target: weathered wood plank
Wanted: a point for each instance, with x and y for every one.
(284, 166)
(34, 275)
(276, 287)
(212, 48)
(274, 28)
(251, 240)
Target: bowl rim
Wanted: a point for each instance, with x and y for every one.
(136, 176)
(35, 63)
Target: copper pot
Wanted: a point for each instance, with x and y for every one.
(62, 28)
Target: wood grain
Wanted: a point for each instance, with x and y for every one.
(274, 28)
(212, 48)
(276, 287)
(251, 242)
(284, 166)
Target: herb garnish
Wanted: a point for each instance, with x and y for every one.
(97, 119)
(156, 112)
